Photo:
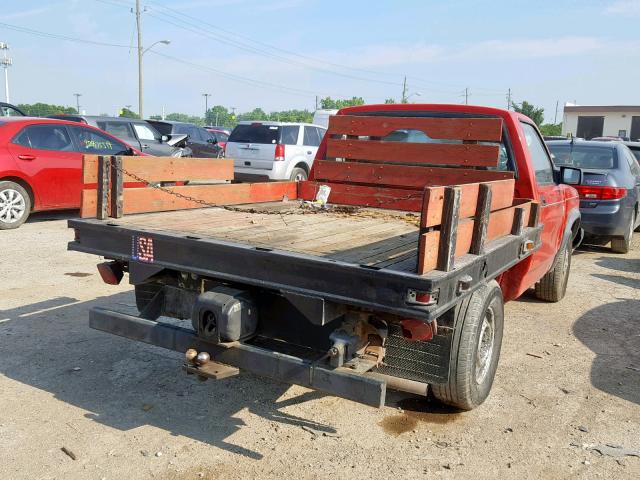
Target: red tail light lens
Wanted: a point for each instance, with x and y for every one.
(600, 193)
(111, 272)
(279, 156)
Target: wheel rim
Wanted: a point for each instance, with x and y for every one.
(484, 352)
(12, 205)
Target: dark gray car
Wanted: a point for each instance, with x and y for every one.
(202, 142)
(137, 133)
(610, 188)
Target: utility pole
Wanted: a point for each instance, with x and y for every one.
(316, 102)
(77, 95)
(509, 99)
(404, 90)
(140, 88)
(555, 117)
(6, 62)
(206, 105)
(466, 96)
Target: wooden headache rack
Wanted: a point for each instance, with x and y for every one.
(448, 173)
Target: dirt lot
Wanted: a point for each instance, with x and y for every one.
(569, 379)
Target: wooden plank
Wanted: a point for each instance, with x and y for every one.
(141, 200)
(487, 129)
(518, 222)
(482, 214)
(500, 224)
(365, 196)
(401, 175)
(167, 169)
(103, 179)
(501, 197)
(469, 155)
(117, 185)
(449, 229)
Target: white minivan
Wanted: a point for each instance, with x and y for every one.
(273, 150)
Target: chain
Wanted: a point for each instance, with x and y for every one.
(198, 201)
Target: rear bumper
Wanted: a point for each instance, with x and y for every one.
(278, 171)
(607, 219)
(362, 388)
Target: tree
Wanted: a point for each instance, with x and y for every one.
(329, 103)
(534, 113)
(183, 117)
(549, 129)
(45, 109)
(390, 101)
(126, 113)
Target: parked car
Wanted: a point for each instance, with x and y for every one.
(321, 117)
(635, 149)
(273, 150)
(222, 135)
(8, 110)
(138, 133)
(609, 191)
(41, 164)
(199, 140)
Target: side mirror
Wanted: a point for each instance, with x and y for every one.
(164, 138)
(570, 175)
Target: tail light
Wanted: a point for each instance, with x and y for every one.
(600, 193)
(111, 272)
(279, 156)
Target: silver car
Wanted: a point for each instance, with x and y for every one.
(273, 150)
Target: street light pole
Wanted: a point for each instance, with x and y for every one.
(6, 62)
(140, 87)
(206, 105)
(77, 95)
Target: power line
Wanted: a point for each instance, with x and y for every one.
(250, 81)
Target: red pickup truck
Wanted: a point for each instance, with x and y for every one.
(436, 215)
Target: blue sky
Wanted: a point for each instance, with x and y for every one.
(280, 54)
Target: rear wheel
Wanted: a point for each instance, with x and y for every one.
(298, 174)
(553, 286)
(15, 205)
(623, 244)
(475, 349)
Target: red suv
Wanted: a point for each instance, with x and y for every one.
(41, 164)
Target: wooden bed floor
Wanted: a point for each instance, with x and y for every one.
(382, 239)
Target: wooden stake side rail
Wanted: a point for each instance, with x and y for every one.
(481, 129)
(106, 193)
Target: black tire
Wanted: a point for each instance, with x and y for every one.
(553, 286)
(15, 199)
(623, 244)
(470, 382)
(299, 174)
(145, 293)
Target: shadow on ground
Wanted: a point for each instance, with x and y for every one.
(52, 215)
(127, 384)
(612, 332)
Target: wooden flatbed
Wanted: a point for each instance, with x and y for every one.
(365, 236)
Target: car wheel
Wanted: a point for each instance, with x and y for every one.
(298, 175)
(475, 350)
(553, 286)
(15, 205)
(623, 244)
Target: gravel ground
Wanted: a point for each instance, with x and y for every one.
(568, 380)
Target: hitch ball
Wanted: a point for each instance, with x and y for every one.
(203, 358)
(190, 355)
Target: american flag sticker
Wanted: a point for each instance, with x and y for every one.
(142, 249)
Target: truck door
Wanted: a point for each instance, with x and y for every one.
(552, 202)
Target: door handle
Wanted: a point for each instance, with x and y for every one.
(309, 152)
(145, 146)
(27, 157)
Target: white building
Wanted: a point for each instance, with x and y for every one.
(588, 121)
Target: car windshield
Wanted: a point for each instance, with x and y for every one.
(583, 156)
(255, 133)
